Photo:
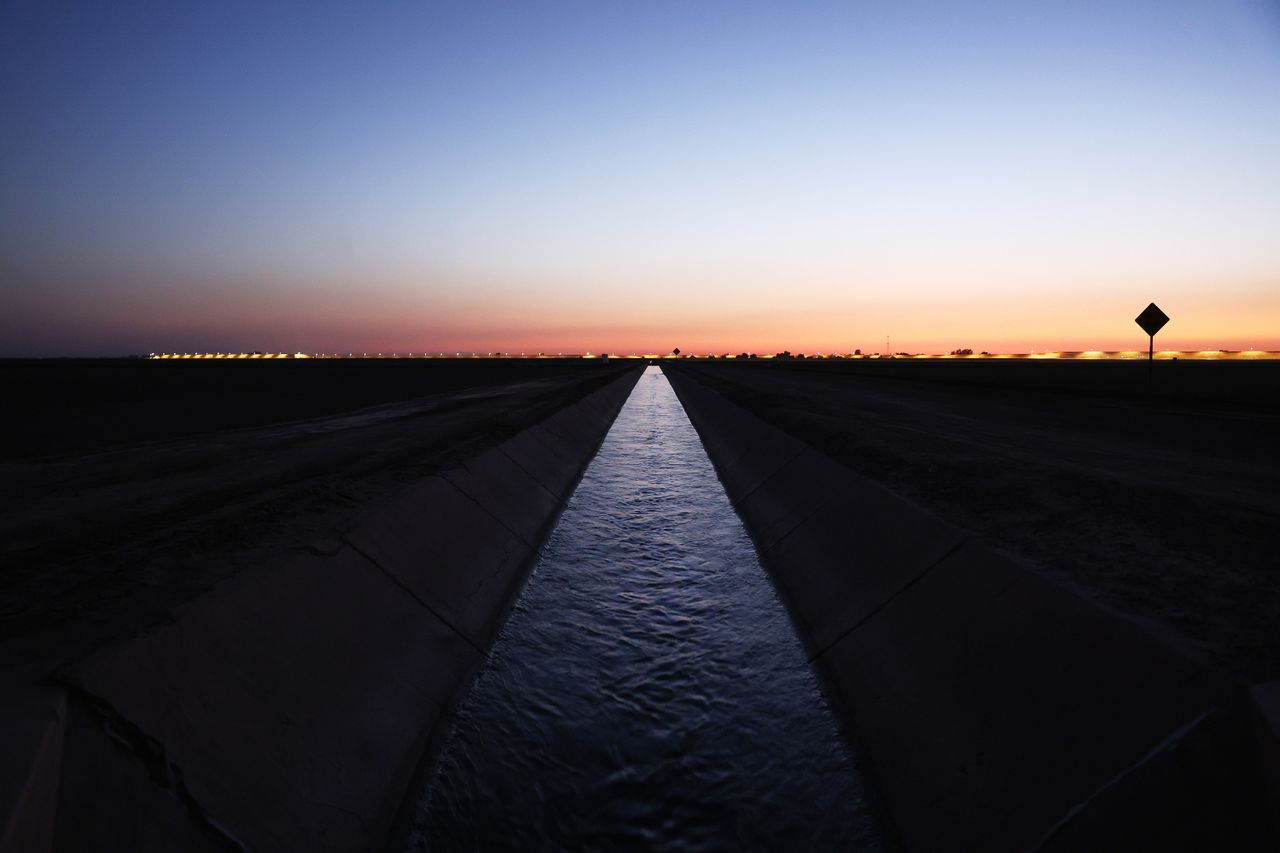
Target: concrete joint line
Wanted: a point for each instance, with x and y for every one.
(542, 441)
(485, 509)
(1174, 738)
(798, 525)
(516, 463)
(409, 592)
(882, 605)
(776, 471)
(550, 426)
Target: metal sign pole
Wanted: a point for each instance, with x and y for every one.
(1151, 361)
(1152, 320)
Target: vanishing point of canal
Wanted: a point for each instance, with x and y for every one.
(648, 690)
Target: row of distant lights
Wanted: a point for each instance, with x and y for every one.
(270, 355)
(324, 355)
(1251, 352)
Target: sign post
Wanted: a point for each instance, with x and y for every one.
(1152, 320)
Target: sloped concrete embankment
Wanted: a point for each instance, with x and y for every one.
(290, 709)
(995, 709)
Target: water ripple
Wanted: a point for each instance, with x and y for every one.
(648, 691)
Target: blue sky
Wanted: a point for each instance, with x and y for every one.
(614, 176)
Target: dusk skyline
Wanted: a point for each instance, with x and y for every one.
(721, 178)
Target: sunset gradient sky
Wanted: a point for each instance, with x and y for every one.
(635, 176)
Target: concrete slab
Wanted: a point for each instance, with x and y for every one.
(746, 451)
(1265, 712)
(293, 705)
(705, 408)
(30, 765)
(546, 458)
(795, 491)
(553, 451)
(449, 552)
(846, 560)
(111, 801)
(991, 703)
(763, 457)
(508, 493)
(594, 406)
(1196, 791)
(575, 425)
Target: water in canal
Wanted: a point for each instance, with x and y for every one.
(648, 690)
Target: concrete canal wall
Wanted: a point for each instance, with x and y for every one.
(291, 708)
(994, 709)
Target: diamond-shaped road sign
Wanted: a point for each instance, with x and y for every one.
(1152, 319)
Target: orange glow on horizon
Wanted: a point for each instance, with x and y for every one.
(759, 315)
(1088, 355)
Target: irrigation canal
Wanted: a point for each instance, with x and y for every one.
(648, 690)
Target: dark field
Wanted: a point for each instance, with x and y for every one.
(133, 488)
(1159, 504)
(1251, 384)
(133, 485)
(1163, 508)
(62, 405)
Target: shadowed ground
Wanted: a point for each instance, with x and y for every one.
(119, 533)
(59, 406)
(1164, 510)
(223, 620)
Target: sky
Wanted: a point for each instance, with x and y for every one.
(625, 176)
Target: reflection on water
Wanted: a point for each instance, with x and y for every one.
(648, 690)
